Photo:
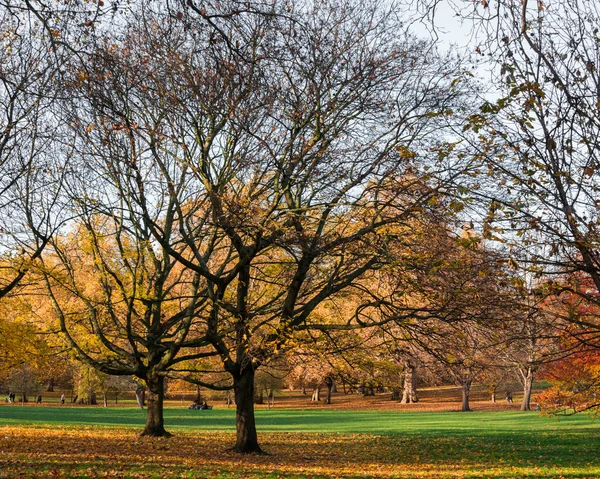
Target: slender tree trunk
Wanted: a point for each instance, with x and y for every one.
(329, 383)
(409, 395)
(139, 391)
(246, 440)
(105, 399)
(155, 422)
(466, 390)
(527, 387)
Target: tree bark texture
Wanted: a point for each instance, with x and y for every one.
(409, 395)
(246, 437)
(155, 422)
(466, 390)
(329, 383)
(527, 387)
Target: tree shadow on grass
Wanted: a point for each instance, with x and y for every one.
(92, 451)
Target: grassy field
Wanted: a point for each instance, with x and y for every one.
(99, 442)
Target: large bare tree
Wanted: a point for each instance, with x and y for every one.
(271, 170)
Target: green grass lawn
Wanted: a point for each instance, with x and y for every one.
(405, 444)
(322, 421)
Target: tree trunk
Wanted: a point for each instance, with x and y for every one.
(316, 396)
(139, 391)
(155, 423)
(246, 440)
(50, 387)
(492, 390)
(466, 390)
(409, 395)
(527, 387)
(105, 399)
(329, 383)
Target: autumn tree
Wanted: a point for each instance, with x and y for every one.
(531, 341)
(574, 371)
(537, 141)
(122, 306)
(460, 292)
(267, 157)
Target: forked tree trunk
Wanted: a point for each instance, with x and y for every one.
(155, 422)
(246, 437)
(409, 395)
(466, 390)
(527, 387)
(50, 387)
(316, 395)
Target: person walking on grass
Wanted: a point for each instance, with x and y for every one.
(62, 398)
